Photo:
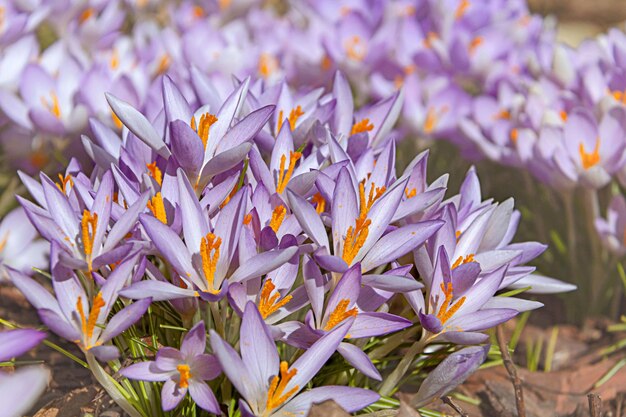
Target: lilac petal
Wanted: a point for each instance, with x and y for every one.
(106, 138)
(316, 356)
(344, 208)
(195, 225)
(36, 294)
(175, 105)
(482, 291)
(419, 203)
(303, 183)
(59, 325)
(224, 161)
(349, 398)
(46, 121)
(263, 263)
(186, 147)
(314, 284)
(497, 226)
(105, 353)
(359, 360)
(375, 324)
(168, 359)
(398, 243)
(171, 395)
(342, 117)
(228, 227)
(530, 250)
(348, 288)
(234, 368)
(462, 338)
(34, 188)
(308, 218)
(14, 343)
(464, 276)
(157, 290)
(205, 367)
(257, 347)
(329, 262)
(63, 214)
(203, 396)
(97, 154)
(24, 386)
(125, 223)
(144, 371)
(430, 322)
(518, 304)
(543, 285)
(482, 319)
(451, 372)
(169, 244)
(125, 318)
(393, 283)
(102, 206)
(194, 342)
(138, 124)
(246, 129)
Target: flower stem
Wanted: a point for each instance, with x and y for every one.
(392, 380)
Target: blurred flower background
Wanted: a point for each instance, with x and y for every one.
(195, 177)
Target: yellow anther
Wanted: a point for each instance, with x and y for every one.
(461, 260)
(164, 64)
(563, 115)
(88, 224)
(52, 106)
(410, 193)
(276, 395)
(206, 121)
(461, 9)
(430, 37)
(86, 15)
(320, 203)
(355, 48)
(247, 218)
(475, 43)
(458, 235)
(357, 235)
(278, 215)
(294, 115)
(115, 60)
(588, 160)
(155, 172)
(285, 175)
(66, 182)
(446, 311)
(326, 63)
(268, 65)
(116, 120)
(157, 207)
(268, 303)
(88, 324)
(224, 4)
(229, 196)
(3, 242)
(185, 374)
(210, 254)
(619, 96)
(340, 313)
(198, 12)
(432, 118)
(503, 114)
(363, 125)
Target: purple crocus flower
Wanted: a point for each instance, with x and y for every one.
(612, 230)
(181, 371)
(14, 343)
(271, 388)
(19, 247)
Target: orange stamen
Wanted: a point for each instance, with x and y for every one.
(53, 107)
(268, 303)
(164, 64)
(320, 203)
(65, 180)
(88, 324)
(340, 313)
(268, 64)
(285, 175)
(155, 172)
(275, 394)
(514, 135)
(210, 243)
(247, 218)
(430, 37)
(362, 126)
(277, 217)
(357, 235)
(563, 115)
(157, 207)
(461, 260)
(88, 225)
(410, 193)
(355, 48)
(115, 60)
(326, 63)
(85, 15)
(503, 114)
(198, 12)
(206, 121)
(475, 43)
(461, 9)
(446, 311)
(589, 159)
(185, 375)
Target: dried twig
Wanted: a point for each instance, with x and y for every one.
(454, 406)
(510, 368)
(595, 405)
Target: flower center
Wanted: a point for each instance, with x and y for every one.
(410, 193)
(206, 121)
(66, 183)
(5, 238)
(210, 254)
(294, 115)
(278, 215)
(53, 105)
(589, 159)
(446, 311)
(268, 303)
(164, 64)
(276, 395)
(432, 118)
(320, 203)
(356, 236)
(155, 172)
(88, 324)
(355, 48)
(198, 12)
(185, 375)
(115, 60)
(267, 65)
(116, 120)
(430, 37)
(285, 175)
(340, 313)
(86, 15)
(461, 9)
(475, 43)
(461, 260)
(157, 207)
(362, 126)
(88, 225)
(502, 115)
(514, 135)
(619, 96)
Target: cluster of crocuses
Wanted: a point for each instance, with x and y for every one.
(275, 221)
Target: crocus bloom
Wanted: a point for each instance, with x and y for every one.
(271, 388)
(612, 230)
(181, 371)
(19, 248)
